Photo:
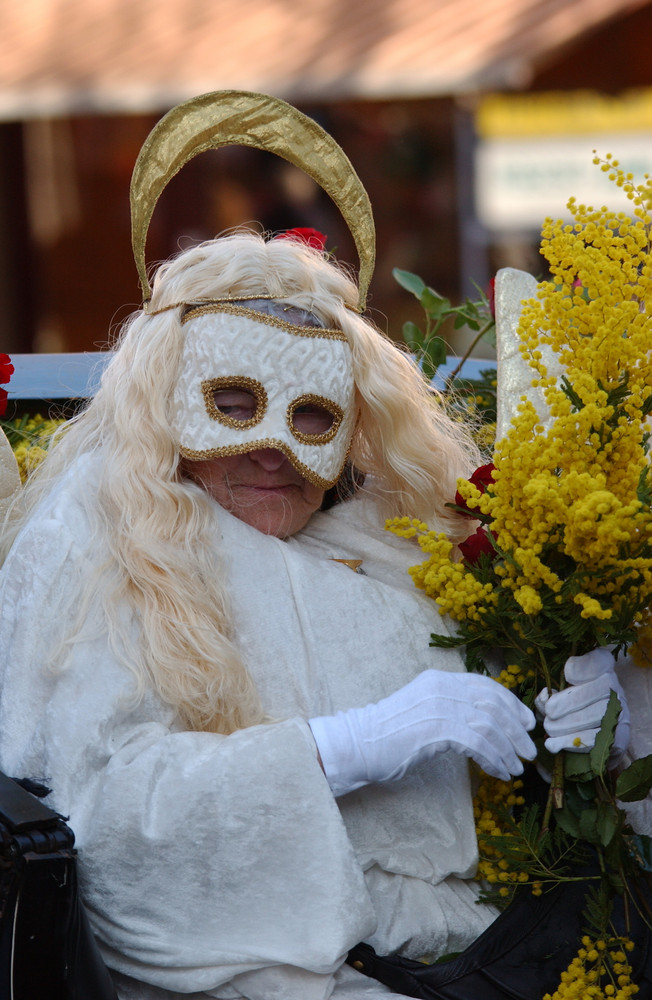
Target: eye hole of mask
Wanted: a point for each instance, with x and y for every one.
(236, 404)
(236, 401)
(314, 420)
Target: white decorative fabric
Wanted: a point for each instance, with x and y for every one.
(222, 866)
(289, 362)
(515, 376)
(9, 475)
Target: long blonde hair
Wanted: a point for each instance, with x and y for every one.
(157, 527)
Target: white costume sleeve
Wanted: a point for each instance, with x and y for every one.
(193, 850)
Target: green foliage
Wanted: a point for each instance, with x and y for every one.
(601, 749)
(635, 782)
(597, 910)
(427, 344)
(547, 855)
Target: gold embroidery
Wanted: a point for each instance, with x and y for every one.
(336, 412)
(241, 449)
(234, 310)
(211, 385)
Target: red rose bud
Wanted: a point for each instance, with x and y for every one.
(312, 237)
(477, 543)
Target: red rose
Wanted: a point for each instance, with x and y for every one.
(481, 478)
(6, 368)
(477, 543)
(312, 237)
(6, 371)
(491, 296)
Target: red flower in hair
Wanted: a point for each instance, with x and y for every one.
(6, 371)
(312, 237)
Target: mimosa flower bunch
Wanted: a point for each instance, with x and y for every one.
(561, 562)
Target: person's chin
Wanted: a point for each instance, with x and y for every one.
(271, 511)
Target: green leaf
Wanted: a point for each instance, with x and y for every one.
(644, 488)
(434, 303)
(410, 282)
(586, 790)
(490, 335)
(462, 320)
(604, 740)
(474, 661)
(577, 766)
(447, 641)
(608, 822)
(588, 824)
(435, 351)
(570, 393)
(635, 782)
(568, 821)
(412, 336)
(597, 909)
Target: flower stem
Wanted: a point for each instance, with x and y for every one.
(555, 798)
(467, 353)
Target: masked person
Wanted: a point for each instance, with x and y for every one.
(263, 761)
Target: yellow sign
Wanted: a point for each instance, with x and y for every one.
(535, 151)
(574, 112)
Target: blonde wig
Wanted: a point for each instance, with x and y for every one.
(157, 526)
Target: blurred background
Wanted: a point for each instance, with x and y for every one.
(467, 122)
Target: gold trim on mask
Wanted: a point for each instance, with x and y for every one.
(258, 317)
(243, 118)
(211, 385)
(336, 412)
(241, 449)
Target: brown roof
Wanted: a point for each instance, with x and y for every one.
(113, 55)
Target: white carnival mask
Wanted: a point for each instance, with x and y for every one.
(251, 380)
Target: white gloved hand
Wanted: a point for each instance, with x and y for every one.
(437, 711)
(576, 712)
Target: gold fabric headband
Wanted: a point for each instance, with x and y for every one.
(241, 118)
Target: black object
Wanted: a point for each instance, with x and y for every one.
(47, 948)
(520, 956)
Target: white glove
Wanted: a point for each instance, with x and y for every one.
(437, 711)
(576, 712)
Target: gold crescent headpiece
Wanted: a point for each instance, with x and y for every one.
(240, 118)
